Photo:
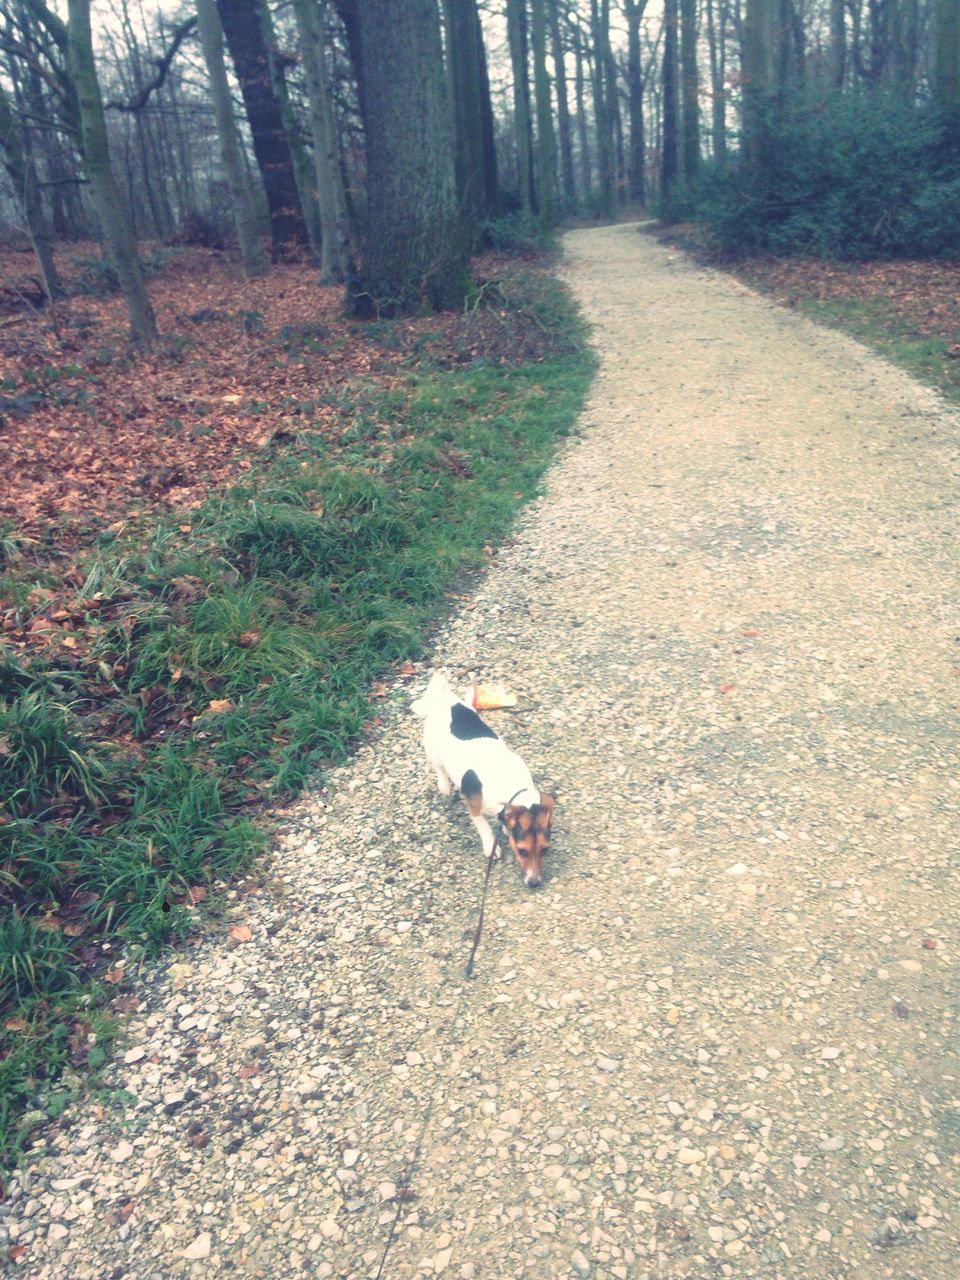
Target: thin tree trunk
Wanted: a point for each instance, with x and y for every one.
(491, 182)
(23, 178)
(465, 65)
(241, 192)
(567, 180)
(517, 39)
(583, 136)
(114, 222)
(759, 27)
(636, 151)
(718, 99)
(546, 149)
(690, 87)
(333, 207)
(603, 116)
(670, 149)
(249, 50)
(303, 171)
(946, 72)
(415, 255)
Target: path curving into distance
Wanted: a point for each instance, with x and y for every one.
(720, 1040)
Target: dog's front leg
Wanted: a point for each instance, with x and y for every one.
(486, 834)
(443, 782)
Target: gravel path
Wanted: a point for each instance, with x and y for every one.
(719, 1041)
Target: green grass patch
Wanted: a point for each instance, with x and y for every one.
(191, 675)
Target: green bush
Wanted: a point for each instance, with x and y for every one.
(859, 176)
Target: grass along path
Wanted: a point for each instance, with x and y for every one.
(163, 684)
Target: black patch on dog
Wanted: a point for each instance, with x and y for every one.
(470, 784)
(465, 724)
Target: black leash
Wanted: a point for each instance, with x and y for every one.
(403, 1187)
(468, 973)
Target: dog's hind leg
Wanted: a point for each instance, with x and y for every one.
(472, 792)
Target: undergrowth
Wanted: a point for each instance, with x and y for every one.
(191, 672)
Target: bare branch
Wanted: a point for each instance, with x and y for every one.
(139, 101)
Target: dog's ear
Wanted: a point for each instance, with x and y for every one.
(510, 814)
(547, 802)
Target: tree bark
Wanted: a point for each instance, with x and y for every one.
(690, 87)
(670, 150)
(636, 149)
(546, 149)
(241, 193)
(415, 256)
(94, 147)
(564, 132)
(250, 53)
(517, 39)
(23, 178)
(334, 229)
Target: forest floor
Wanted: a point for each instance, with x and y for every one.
(720, 1040)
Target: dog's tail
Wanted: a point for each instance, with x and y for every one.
(438, 691)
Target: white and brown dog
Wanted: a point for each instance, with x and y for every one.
(492, 779)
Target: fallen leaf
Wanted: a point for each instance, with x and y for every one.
(249, 1070)
(15, 1024)
(751, 631)
(929, 944)
(114, 975)
(217, 706)
(249, 639)
(16, 1252)
(241, 932)
(196, 893)
(727, 688)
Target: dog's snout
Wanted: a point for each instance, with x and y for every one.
(532, 880)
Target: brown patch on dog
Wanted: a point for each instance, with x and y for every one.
(474, 804)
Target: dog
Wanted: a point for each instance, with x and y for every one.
(492, 780)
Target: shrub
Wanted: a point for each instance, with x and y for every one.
(858, 176)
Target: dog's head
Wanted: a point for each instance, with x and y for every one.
(528, 830)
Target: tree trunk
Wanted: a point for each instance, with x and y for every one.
(114, 223)
(250, 53)
(415, 256)
(583, 137)
(303, 171)
(670, 150)
(517, 39)
(546, 150)
(241, 192)
(603, 116)
(946, 76)
(636, 150)
(491, 182)
(690, 89)
(838, 45)
(334, 231)
(759, 29)
(23, 178)
(468, 88)
(567, 180)
(718, 98)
